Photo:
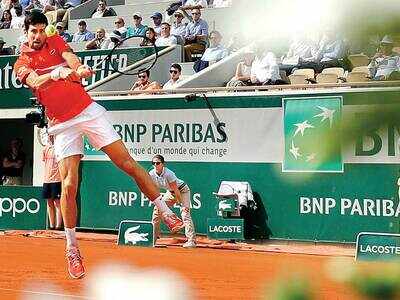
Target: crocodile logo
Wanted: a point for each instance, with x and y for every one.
(131, 236)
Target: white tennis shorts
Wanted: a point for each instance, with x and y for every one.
(92, 122)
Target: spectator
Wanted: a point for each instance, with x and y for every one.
(330, 51)
(144, 83)
(17, 21)
(174, 73)
(243, 70)
(61, 32)
(5, 51)
(195, 35)
(157, 19)
(178, 28)
(52, 185)
(385, 63)
(82, 35)
(222, 3)
(137, 28)
(6, 19)
(214, 53)
(55, 11)
(103, 10)
(301, 51)
(264, 69)
(165, 39)
(63, 13)
(13, 163)
(37, 5)
(150, 38)
(100, 41)
(120, 26)
(24, 4)
(192, 4)
(115, 38)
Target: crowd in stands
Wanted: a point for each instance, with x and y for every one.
(182, 23)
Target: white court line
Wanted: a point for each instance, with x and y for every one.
(45, 293)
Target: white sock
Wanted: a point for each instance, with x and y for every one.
(71, 237)
(162, 206)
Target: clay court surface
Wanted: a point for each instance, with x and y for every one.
(28, 263)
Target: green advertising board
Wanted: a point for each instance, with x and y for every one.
(225, 229)
(22, 207)
(136, 233)
(376, 246)
(359, 193)
(14, 95)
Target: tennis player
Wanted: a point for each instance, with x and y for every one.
(50, 68)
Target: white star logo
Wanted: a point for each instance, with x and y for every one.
(295, 151)
(310, 157)
(326, 114)
(301, 127)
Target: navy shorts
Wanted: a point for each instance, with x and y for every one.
(51, 190)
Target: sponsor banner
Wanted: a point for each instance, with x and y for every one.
(136, 233)
(192, 135)
(378, 246)
(225, 229)
(312, 140)
(22, 208)
(14, 94)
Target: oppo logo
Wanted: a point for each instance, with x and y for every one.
(18, 206)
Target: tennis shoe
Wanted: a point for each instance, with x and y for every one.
(189, 244)
(75, 265)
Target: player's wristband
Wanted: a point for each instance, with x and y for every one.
(55, 74)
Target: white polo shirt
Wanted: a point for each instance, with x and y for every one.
(165, 178)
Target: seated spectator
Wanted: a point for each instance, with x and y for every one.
(222, 3)
(150, 39)
(138, 29)
(37, 5)
(82, 35)
(243, 70)
(385, 63)
(174, 73)
(116, 38)
(17, 21)
(165, 39)
(157, 20)
(301, 51)
(178, 28)
(6, 19)
(195, 35)
(192, 4)
(62, 14)
(61, 32)
(13, 163)
(264, 69)
(100, 41)
(120, 26)
(331, 50)
(5, 51)
(144, 83)
(215, 52)
(55, 11)
(103, 10)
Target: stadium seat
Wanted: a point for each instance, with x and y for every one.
(357, 77)
(357, 60)
(327, 78)
(309, 73)
(338, 71)
(363, 69)
(298, 79)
